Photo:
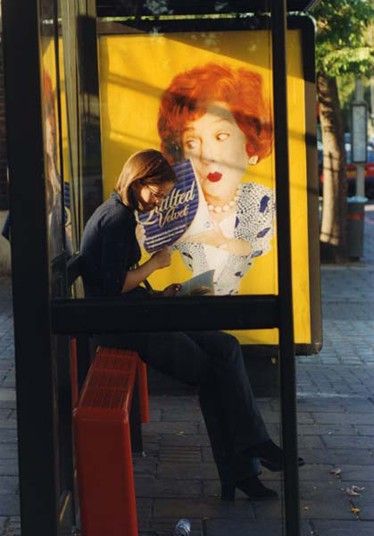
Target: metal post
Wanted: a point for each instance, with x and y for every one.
(286, 336)
(34, 365)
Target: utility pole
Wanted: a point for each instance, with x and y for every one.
(359, 137)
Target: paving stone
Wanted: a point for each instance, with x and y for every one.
(9, 504)
(319, 501)
(144, 510)
(346, 528)
(313, 404)
(182, 470)
(320, 472)
(311, 442)
(336, 457)
(203, 508)
(268, 510)
(367, 512)
(343, 418)
(145, 466)
(243, 527)
(169, 427)
(154, 412)
(7, 404)
(321, 509)
(8, 435)
(182, 439)
(7, 394)
(327, 429)
(8, 467)
(359, 442)
(150, 487)
(357, 473)
(212, 488)
(165, 526)
(182, 417)
(365, 430)
(8, 484)
(183, 454)
(8, 451)
(358, 406)
(7, 424)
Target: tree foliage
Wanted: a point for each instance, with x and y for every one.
(342, 49)
(342, 44)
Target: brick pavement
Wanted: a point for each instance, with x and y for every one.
(177, 477)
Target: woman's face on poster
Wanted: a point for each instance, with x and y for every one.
(217, 148)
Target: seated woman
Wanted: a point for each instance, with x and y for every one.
(211, 360)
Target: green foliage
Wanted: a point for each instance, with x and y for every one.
(342, 43)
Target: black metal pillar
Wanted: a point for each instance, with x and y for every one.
(90, 140)
(286, 332)
(31, 300)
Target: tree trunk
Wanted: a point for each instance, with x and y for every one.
(334, 209)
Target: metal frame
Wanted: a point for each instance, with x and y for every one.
(305, 25)
(120, 8)
(35, 362)
(286, 329)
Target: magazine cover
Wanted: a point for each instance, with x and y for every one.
(183, 213)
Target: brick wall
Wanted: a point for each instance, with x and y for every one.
(3, 176)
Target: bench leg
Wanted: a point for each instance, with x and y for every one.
(135, 420)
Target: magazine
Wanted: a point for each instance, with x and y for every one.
(184, 212)
(200, 285)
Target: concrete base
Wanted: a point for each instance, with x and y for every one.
(5, 264)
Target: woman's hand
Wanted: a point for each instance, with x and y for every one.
(134, 277)
(162, 258)
(140, 234)
(171, 290)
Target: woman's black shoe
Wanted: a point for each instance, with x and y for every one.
(272, 466)
(271, 456)
(251, 486)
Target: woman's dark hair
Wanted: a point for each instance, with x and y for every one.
(148, 167)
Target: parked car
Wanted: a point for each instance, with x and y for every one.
(351, 169)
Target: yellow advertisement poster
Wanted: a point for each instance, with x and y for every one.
(206, 98)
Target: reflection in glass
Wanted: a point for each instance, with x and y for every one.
(58, 212)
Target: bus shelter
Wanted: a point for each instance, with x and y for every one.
(85, 88)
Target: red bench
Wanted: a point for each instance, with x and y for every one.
(103, 430)
(110, 401)
(121, 354)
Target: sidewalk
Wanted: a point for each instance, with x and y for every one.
(177, 477)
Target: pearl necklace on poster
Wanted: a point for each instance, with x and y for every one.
(227, 206)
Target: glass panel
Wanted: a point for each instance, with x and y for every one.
(199, 91)
(50, 92)
(204, 422)
(137, 110)
(210, 102)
